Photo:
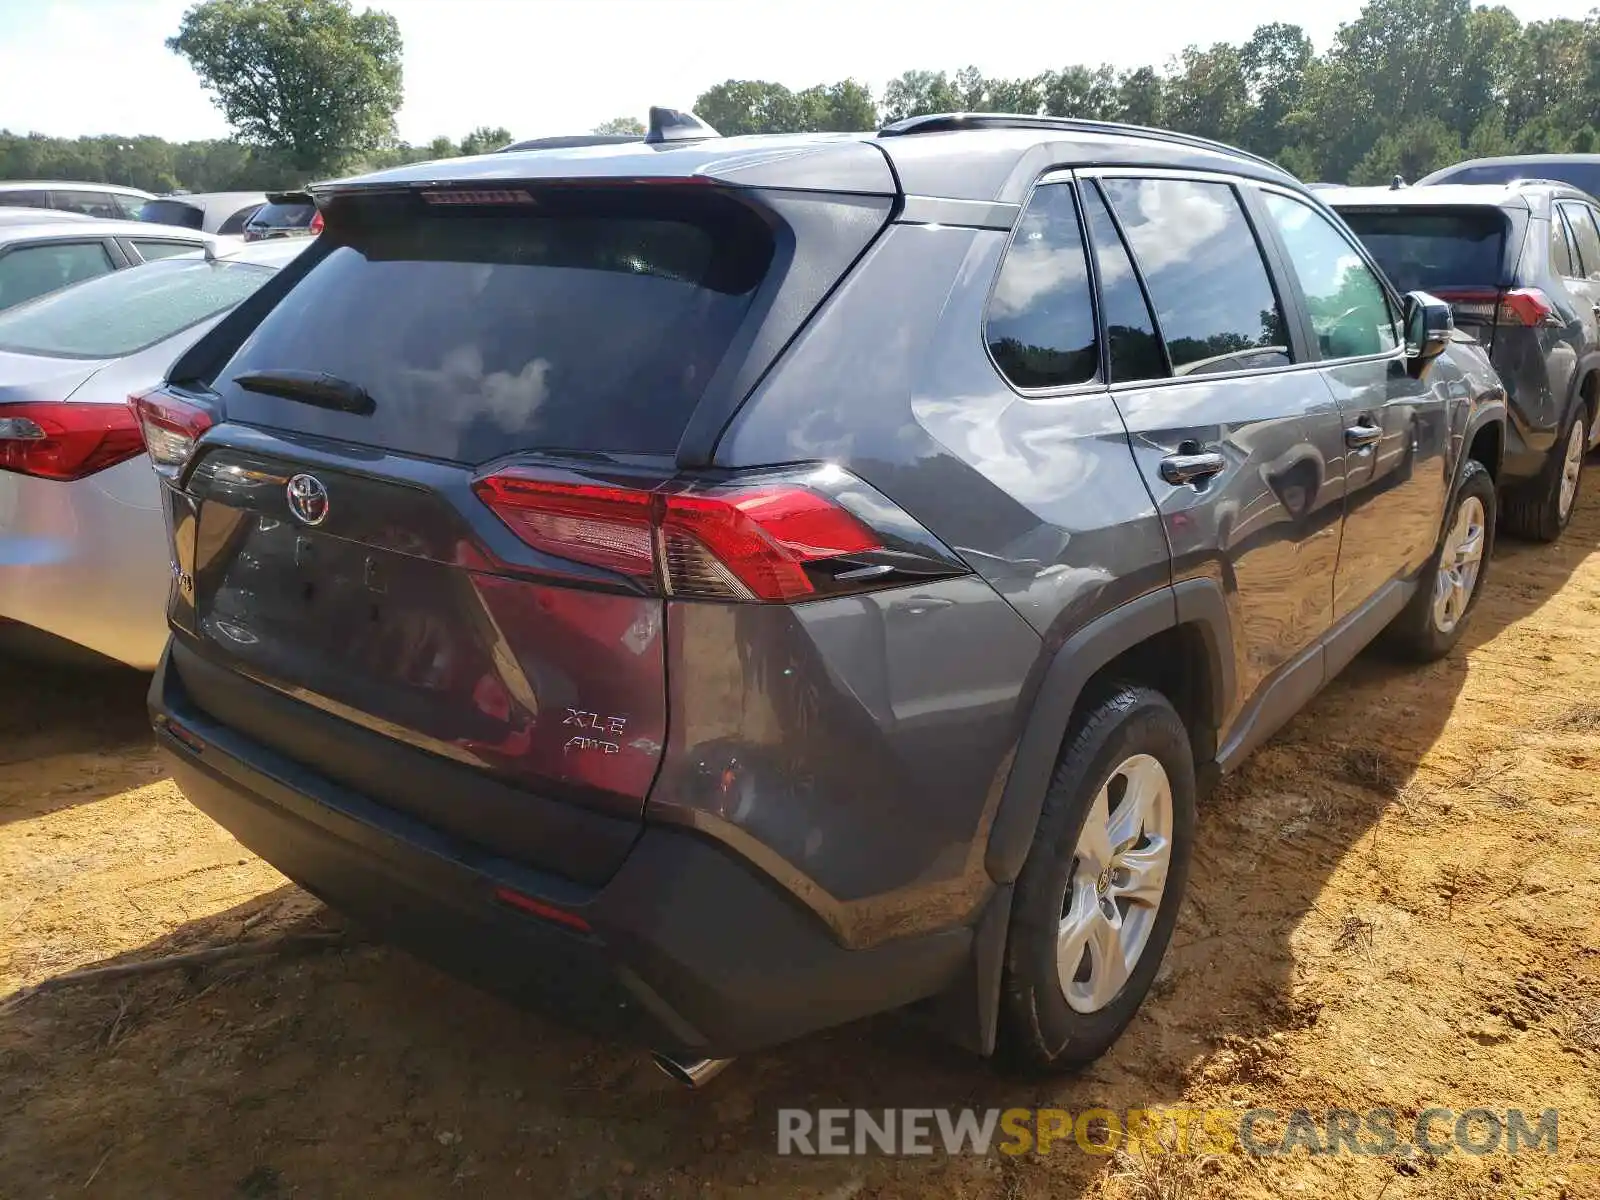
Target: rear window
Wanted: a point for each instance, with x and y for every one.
(1585, 176)
(284, 216)
(127, 311)
(172, 212)
(1424, 249)
(585, 324)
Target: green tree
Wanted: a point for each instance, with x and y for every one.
(1421, 146)
(1208, 95)
(309, 77)
(842, 107)
(1087, 92)
(918, 93)
(1142, 97)
(738, 106)
(1274, 62)
(486, 139)
(621, 125)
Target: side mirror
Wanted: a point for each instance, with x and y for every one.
(1429, 328)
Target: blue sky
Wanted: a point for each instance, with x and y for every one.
(70, 67)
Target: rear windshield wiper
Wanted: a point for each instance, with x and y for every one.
(310, 387)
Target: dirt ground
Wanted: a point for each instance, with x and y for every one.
(1396, 904)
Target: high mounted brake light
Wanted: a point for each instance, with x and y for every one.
(723, 543)
(478, 196)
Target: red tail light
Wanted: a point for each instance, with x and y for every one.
(64, 441)
(316, 223)
(170, 428)
(1518, 306)
(1526, 306)
(751, 543)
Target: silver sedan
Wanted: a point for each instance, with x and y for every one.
(83, 553)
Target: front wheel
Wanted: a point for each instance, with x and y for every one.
(1448, 589)
(1098, 896)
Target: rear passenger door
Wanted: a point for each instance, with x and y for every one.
(1237, 437)
(1396, 428)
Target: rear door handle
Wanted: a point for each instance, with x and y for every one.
(1192, 468)
(1359, 437)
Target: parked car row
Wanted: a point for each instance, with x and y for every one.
(252, 215)
(719, 589)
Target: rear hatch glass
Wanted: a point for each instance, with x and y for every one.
(1434, 249)
(572, 324)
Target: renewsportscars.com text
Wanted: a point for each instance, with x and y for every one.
(1263, 1131)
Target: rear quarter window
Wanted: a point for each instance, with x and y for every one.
(1040, 326)
(583, 324)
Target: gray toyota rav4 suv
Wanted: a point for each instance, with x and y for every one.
(1520, 265)
(721, 588)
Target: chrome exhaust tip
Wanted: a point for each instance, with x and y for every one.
(691, 1072)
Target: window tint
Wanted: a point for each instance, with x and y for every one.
(1349, 310)
(151, 250)
(1425, 249)
(1563, 258)
(1130, 328)
(1581, 221)
(235, 223)
(1041, 318)
(596, 326)
(171, 212)
(24, 199)
(90, 204)
(30, 271)
(1213, 298)
(125, 312)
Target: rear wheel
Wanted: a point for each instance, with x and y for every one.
(1099, 894)
(1543, 508)
(1448, 590)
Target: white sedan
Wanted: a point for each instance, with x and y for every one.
(83, 548)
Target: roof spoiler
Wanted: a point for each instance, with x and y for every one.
(289, 198)
(670, 125)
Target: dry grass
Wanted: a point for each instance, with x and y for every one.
(1156, 1176)
(1582, 718)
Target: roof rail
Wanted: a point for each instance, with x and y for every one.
(953, 122)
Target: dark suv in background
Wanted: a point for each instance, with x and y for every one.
(1520, 265)
(720, 589)
(1581, 171)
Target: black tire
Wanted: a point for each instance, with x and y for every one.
(1039, 1031)
(1416, 633)
(1533, 510)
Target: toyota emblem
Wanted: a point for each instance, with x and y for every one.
(308, 499)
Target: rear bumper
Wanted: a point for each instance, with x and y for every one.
(691, 951)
